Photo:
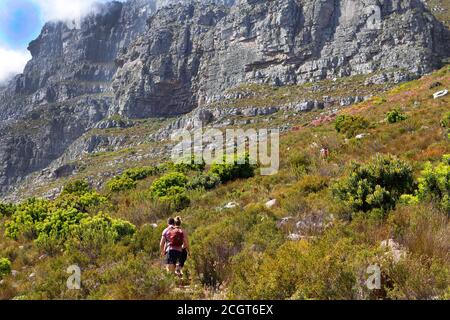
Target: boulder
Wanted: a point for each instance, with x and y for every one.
(362, 136)
(272, 204)
(294, 237)
(228, 206)
(440, 94)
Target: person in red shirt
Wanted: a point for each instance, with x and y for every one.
(174, 246)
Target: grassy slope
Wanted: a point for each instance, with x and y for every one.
(417, 140)
(441, 9)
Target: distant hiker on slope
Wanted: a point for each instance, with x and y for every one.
(174, 246)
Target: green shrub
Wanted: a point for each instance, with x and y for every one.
(136, 174)
(170, 191)
(7, 209)
(147, 239)
(214, 245)
(5, 267)
(123, 228)
(376, 185)
(417, 278)
(205, 181)
(311, 184)
(135, 277)
(121, 183)
(328, 268)
(175, 199)
(127, 180)
(165, 185)
(57, 227)
(185, 165)
(24, 219)
(395, 116)
(119, 228)
(409, 199)
(264, 236)
(92, 234)
(300, 163)
(445, 122)
(76, 187)
(350, 125)
(434, 183)
(81, 202)
(241, 168)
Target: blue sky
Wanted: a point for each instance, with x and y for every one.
(21, 21)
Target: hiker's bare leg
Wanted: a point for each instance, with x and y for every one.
(170, 268)
(179, 271)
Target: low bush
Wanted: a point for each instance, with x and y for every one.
(205, 181)
(7, 209)
(121, 183)
(434, 183)
(240, 168)
(311, 184)
(140, 173)
(184, 167)
(350, 125)
(376, 185)
(329, 268)
(92, 234)
(395, 116)
(135, 278)
(57, 227)
(5, 267)
(147, 240)
(171, 183)
(175, 199)
(445, 122)
(128, 179)
(170, 192)
(300, 163)
(25, 218)
(417, 278)
(76, 187)
(80, 201)
(118, 228)
(214, 245)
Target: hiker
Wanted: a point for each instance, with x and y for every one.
(325, 153)
(174, 246)
(185, 252)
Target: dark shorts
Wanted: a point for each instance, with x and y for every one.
(176, 257)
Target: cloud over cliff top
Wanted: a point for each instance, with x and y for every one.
(22, 20)
(12, 62)
(52, 10)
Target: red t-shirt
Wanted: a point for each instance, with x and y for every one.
(165, 234)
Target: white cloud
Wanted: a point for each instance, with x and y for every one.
(65, 10)
(12, 62)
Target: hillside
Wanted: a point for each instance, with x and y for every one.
(441, 9)
(87, 181)
(316, 243)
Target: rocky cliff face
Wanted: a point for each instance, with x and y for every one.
(192, 53)
(148, 58)
(65, 89)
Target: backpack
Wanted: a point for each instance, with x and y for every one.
(175, 237)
